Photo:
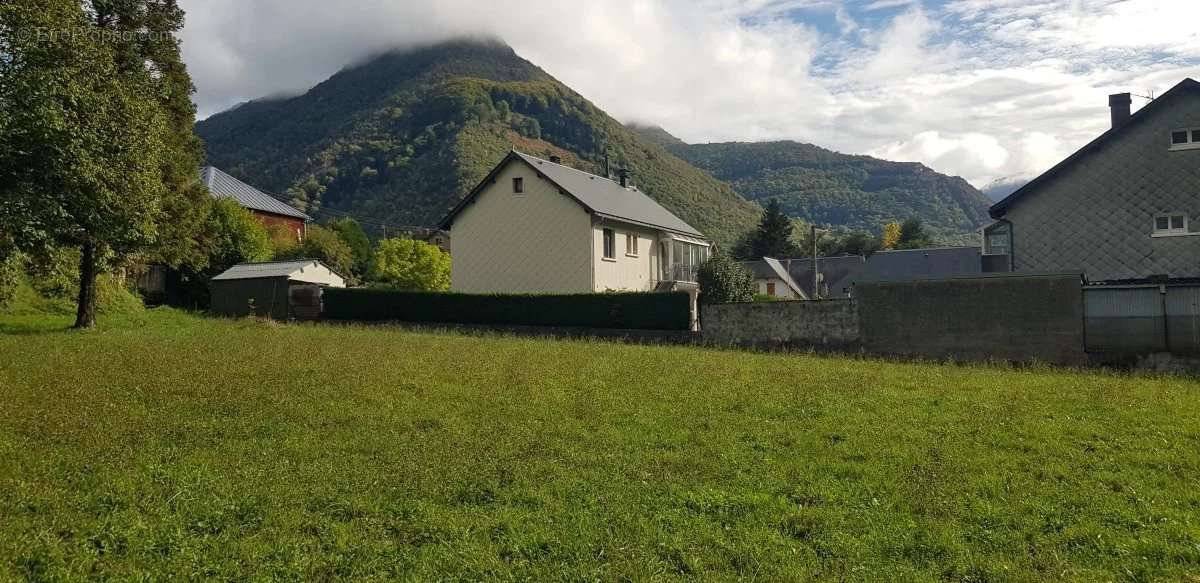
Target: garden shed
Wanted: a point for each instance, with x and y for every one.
(282, 290)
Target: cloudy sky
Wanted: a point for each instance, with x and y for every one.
(984, 89)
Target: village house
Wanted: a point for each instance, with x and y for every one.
(271, 212)
(1124, 208)
(537, 226)
(771, 278)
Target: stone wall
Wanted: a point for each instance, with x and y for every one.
(830, 324)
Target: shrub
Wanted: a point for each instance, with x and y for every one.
(725, 281)
(408, 264)
(638, 311)
(324, 244)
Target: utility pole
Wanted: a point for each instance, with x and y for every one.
(816, 271)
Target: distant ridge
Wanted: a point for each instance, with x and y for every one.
(828, 188)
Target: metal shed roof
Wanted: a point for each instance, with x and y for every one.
(602, 196)
(288, 269)
(222, 185)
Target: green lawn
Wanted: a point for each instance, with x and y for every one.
(170, 444)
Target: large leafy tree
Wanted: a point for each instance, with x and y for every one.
(238, 237)
(144, 37)
(353, 235)
(83, 141)
(773, 238)
(324, 244)
(913, 235)
(411, 265)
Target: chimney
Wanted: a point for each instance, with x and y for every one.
(556, 159)
(607, 173)
(623, 174)
(1118, 105)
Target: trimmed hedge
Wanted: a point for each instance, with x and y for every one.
(632, 311)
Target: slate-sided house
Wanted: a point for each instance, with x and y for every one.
(1125, 207)
(266, 208)
(771, 278)
(537, 226)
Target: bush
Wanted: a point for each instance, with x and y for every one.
(412, 265)
(635, 311)
(323, 244)
(725, 281)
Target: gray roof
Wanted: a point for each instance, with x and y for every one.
(268, 270)
(999, 209)
(771, 268)
(837, 274)
(601, 196)
(915, 264)
(222, 185)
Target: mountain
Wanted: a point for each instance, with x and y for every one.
(404, 136)
(829, 188)
(1002, 187)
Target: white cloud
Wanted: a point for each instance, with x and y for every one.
(985, 89)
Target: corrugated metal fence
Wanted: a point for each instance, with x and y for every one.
(1142, 318)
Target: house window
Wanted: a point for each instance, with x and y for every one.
(610, 245)
(996, 240)
(518, 185)
(1170, 224)
(631, 244)
(770, 288)
(1185, 139)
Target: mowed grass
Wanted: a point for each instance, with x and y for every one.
(171, 445)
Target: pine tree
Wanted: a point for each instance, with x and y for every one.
(773, 238)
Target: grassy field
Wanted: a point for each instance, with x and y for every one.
(170, 444)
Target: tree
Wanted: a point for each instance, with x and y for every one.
(352, 233)
(325, 245)
(238, 237)
(145, 38)
(411, 265)
(890, 236)
(83, 142)
(773, 238)
(913, 235)
(858, 243)
(724, 281)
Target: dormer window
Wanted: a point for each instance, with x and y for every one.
(1170, 224)
(518, 185)
(1185, 139)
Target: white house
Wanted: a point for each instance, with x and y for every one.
(771, 278)
(537, 226)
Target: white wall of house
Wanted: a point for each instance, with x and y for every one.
(781, 289)
(318, 274)
(626, 270)
(535, 242)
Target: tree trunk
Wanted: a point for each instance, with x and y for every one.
(85, 316)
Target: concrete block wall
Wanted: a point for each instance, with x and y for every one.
(1026, 318)
(831, 324)
(1022, 318)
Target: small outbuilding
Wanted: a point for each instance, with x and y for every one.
(282, 290)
